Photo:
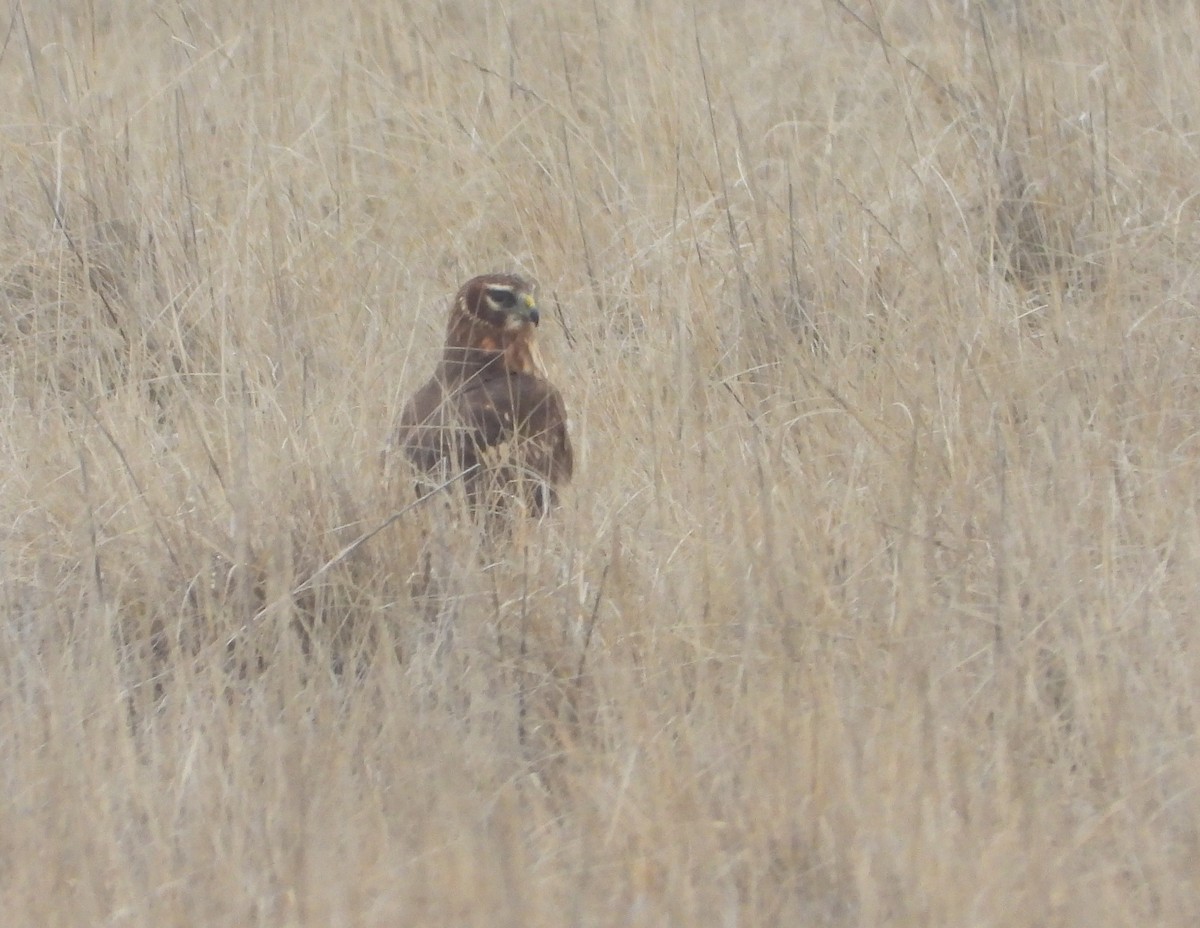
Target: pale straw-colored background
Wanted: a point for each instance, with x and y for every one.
(874, 600)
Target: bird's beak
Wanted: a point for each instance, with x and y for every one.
(529, 309)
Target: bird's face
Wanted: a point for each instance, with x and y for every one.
(502, 302)
(495, 315)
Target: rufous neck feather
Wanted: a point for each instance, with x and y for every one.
(521, 356)
(469, 351)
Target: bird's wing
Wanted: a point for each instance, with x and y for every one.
(427, 427)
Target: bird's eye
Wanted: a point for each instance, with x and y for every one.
(505, 299)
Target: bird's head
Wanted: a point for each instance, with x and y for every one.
(496, 314)
(500, 301)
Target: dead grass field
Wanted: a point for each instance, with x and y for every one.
(874, 600)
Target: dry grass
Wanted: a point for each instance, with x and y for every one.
(874, 600)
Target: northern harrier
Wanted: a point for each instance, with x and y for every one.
(489, 412)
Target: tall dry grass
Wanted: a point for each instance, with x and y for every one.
(874, 600)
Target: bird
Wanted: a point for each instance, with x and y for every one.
(489, 415)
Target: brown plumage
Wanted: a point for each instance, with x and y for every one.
(489, 412)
